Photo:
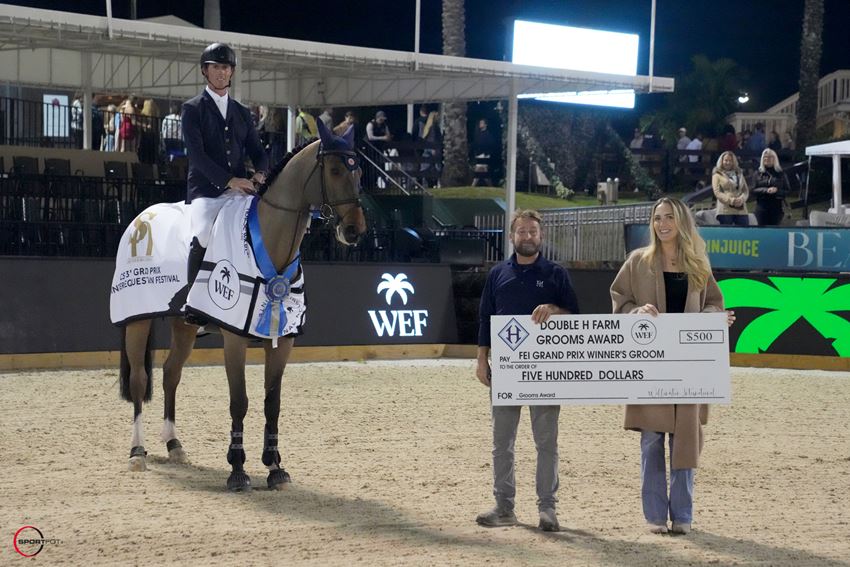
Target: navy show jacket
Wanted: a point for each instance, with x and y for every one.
(216, 147)
(516, 289)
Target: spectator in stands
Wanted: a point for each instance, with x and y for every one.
(694, 145)
(682, 143)
(305, 127)
(349, 120)
(483, 148)
(96, 127)
(172, 133)
(77, 122)
(111, 125)
(127, 134)
(219, 136)
(431, 133)
(276, 133)
(788, 142)
(730, 189)
(671, 275)
(378, 131)
(728, 142)
(770, 186)
(327, 118)
(419, 126)
(149, 131)
(757, 141)
(773, 141)
(525, 284)
(637, 140)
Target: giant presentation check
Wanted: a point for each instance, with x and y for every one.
(675, 358)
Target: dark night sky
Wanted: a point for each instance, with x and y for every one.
(763, 36)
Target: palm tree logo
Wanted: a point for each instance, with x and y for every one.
(225, 274)
(395, 285)
(788, 300)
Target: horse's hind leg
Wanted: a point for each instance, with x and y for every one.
(234, 364)
(136, 346)
(275, 364)
(182, 343)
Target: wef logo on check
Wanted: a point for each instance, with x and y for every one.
(397, 322)
(513, 334)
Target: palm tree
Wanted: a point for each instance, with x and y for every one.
(395, 285)
(810, 51)
(455, 147)
(788, 300)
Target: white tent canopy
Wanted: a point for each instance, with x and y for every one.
(46, 48)
(835, 150)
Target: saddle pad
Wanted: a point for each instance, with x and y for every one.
(150, 265)
(231, 291)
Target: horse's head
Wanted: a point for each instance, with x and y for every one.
(339, 167)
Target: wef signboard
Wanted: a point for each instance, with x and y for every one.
(373, 304)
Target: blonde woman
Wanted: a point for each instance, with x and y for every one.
(671, 275)
(127, 134)
(770, 186)
(730, 190)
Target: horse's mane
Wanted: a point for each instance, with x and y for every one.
(275, 171)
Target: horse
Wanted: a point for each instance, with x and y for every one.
(324, 174)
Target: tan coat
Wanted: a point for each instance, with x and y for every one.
(726, 190)
(636, 285)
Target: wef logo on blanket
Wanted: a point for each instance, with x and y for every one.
(397, 322)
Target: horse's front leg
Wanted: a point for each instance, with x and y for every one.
(275, 364)
(182, 342)
(234, 364)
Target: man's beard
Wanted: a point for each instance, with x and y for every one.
(527, 249)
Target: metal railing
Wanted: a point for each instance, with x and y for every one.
(404, 167)
(56, 125)
(582, 233)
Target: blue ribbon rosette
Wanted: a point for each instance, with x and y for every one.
(272, 321)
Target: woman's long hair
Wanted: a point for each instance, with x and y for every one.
(691, 247)
(735, 167)
(769, 152)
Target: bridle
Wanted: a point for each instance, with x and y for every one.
(327, 209)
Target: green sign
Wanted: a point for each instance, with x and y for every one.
(787, 300)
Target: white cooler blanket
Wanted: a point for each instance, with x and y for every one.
(231, 289)
(150, 266)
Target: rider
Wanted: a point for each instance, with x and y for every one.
(219, 134)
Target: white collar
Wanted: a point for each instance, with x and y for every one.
(217, 98)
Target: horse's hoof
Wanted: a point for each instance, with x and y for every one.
(176, 454)
(238, 481)
(138, 459)
(278, 479)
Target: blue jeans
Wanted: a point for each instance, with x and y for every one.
(544, 427)
(657, 505)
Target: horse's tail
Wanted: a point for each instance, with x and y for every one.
(124, 373)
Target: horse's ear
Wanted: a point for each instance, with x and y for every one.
(324, 135)
(348, 136)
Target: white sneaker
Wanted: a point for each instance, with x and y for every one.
(681, 528)
(657, 528)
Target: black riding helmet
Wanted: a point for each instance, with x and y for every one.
(218, 53)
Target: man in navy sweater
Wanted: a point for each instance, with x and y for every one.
(219, 134)
(525, 284)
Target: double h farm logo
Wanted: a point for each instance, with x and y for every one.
(397, 322)
(513, 334)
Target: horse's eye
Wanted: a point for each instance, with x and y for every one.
(335, 171)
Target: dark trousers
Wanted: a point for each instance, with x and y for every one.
(734, 220)
(769, 216)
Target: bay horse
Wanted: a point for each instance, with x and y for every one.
(324, 174)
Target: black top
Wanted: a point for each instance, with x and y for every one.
(675, 291)
(216, 147)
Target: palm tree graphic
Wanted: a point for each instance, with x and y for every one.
(788, 300)
(225, 274)
(643, 326)
(393, 285)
